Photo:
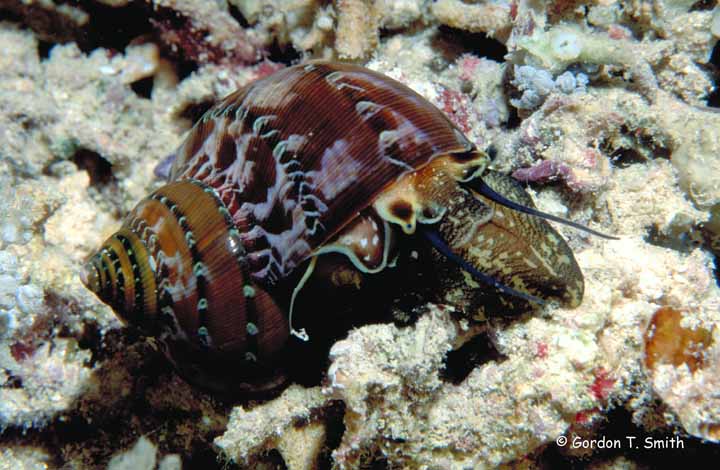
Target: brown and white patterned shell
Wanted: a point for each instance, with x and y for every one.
(296, 155)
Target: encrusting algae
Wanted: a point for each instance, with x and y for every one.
(605, 111)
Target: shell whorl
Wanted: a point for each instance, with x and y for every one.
(177, 270)
(119, 275)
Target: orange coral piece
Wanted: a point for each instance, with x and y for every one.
(667, 342)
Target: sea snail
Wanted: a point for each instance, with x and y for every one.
(315, 159)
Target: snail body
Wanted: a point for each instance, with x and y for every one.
(313, 160)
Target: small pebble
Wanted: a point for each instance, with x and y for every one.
(566, 82)
(29, 298)
(8, 323)
(9, 233)
(8, 289)
(8, 262)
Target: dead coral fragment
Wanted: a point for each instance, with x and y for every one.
(305, 24)
(398, 14)
(51, 21)
(347, 29)
(52, 377)
(492, 18)
(563, 45)
(357, 29)
(209, 32)
(668, 342)
(192, 42)
(252, 431)
(682, 364)
(143, 456)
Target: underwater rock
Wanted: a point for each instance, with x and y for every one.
(140, 457)
(143, 456)
(493, 18)
(682, 359)
(250, 432)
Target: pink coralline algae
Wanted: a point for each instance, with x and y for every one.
(543, 172)
(541, 350)
(585, 417)
(586, 174)
(188, 39)
(266, 67)
(602, 385)
(457, 108)
(468, 67)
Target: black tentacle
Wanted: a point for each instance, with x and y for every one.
(433, 236)
(479, 186)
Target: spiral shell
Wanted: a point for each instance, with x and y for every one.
(317, 158)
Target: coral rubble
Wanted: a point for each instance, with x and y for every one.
(604, 110)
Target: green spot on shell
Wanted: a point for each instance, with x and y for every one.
(204, 336)
(199, 269)
(248, 291)
(252, 329)
(189, 239)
